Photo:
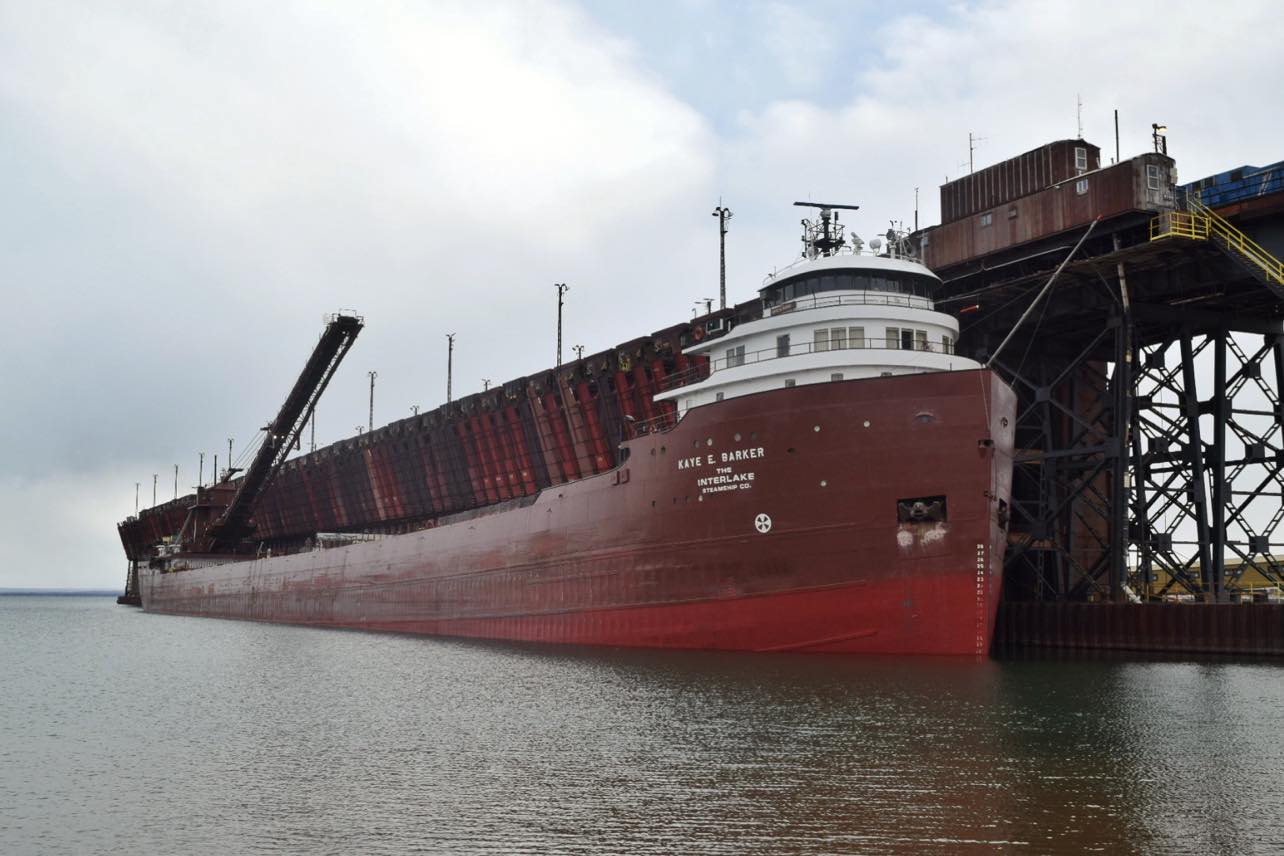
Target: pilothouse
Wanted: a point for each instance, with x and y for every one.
(843, 311)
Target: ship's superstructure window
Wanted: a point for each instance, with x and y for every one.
(1081, 186)
(853, 333)
(839, 338)
(907, 339)
(987, 218)
(1080, 158)
(891, 281)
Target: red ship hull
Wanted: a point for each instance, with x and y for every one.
(767, 522)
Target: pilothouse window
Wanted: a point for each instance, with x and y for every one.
(822, 341)
(896, 282)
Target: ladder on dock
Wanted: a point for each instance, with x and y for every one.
(1197, 222)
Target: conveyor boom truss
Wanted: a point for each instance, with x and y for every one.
(282, 434)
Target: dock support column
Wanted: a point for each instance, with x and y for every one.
(1195, 457)
(1221, 414)
(1122, 404)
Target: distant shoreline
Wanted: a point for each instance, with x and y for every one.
(57, 592)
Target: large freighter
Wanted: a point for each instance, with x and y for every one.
(814, 470)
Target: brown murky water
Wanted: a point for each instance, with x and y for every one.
(126, 733)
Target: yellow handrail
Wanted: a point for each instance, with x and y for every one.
(1241, 243)
(1179, 224)
(1201, 223)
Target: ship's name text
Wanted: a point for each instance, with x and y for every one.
(721, 458)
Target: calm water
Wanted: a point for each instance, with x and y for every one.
(129, 733)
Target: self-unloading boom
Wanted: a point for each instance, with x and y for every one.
(282, 434)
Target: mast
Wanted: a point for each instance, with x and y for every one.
(282, 433)
(823, 237)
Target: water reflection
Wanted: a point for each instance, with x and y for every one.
(229, 736)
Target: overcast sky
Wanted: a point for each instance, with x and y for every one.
(188, 188)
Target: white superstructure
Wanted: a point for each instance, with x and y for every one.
(834, 315)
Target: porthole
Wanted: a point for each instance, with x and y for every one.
(737, 436)
(816, 428)
(709, 441)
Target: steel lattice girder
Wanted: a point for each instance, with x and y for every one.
(1228, 489)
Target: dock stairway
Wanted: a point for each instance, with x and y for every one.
(1197, 222)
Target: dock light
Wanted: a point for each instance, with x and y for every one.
(1160, 137)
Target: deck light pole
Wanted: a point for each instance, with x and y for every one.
(723, 214)
(155, 477)
(176, 481)
(200, 471)
(562, 288)
(450, 362)
(229, 457)
(485, 384)
(1160, 135)
(373, 375)
(135, 499)
(579, 351)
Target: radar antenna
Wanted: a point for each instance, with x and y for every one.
(823, 237)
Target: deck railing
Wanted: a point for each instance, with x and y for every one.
(864, 298)
(717, 364)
